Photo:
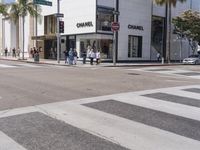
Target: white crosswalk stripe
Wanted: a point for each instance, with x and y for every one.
(6, 66)
(172, 72)
(19, 66)
(128, 133)
(6, 143)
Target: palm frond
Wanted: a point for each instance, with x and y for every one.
(170, 2)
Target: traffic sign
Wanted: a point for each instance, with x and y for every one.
(115, 26)
(42, 2)
(116, 13)
(59, 15)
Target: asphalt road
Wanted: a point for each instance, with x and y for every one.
(34, 84)
(48, 107)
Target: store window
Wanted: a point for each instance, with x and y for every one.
(134, 46)
(104, 45)
(104, 18)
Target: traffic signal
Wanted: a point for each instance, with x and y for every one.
(61, 26)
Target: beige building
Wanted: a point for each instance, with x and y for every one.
(1, 32)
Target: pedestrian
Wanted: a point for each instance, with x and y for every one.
(158, 56)
(6, 52)
(18, 51)
(32, 53)
(13, 52)
(66, 53)
(75, 54)
(71, 56)
(92, 56)
(98, 57)
(84, 55)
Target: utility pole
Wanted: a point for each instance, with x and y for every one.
(36, 27)
(115, 33)
(181, 43)
(58, 32)
(114, 43)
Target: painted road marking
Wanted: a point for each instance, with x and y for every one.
(122, 131)
(7, 143)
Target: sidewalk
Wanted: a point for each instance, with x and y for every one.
(80, 64)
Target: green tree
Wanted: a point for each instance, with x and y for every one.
(21, 9)
(169, 4)
(188, 24)
(3, 9)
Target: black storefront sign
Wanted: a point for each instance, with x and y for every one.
(135, 27)
(84, 24)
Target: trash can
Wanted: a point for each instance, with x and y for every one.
(36, 57)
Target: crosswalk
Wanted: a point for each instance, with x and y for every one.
(168, 71)
(22, 65)
(158, 119)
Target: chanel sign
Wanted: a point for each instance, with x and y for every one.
(135, 27)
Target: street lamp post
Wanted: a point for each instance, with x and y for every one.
(58, 32)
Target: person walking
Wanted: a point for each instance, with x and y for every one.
(84, 55)
(71, 56)
(158, 56)
(92, 56)
(75, 54)
(18, 52)
(6, 52)
(98, 57)
(66, 56)
(13, 52)
(32, 52)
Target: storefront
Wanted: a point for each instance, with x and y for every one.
(97, 42)
(141, 36)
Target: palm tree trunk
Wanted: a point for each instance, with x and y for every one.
(23, 20)
(168, 49)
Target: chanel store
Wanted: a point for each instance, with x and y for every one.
(88, 23)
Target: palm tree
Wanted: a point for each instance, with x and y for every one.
(21, 9)
(169, 4)
(3, 9)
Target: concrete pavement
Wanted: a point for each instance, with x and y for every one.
(80, 64)
(126, 121)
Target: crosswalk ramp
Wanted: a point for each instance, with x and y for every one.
(160, 119)
(169, 71)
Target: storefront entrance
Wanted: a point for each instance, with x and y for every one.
(158, 37)
(50, 49)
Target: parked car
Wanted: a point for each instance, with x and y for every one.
(193, 59)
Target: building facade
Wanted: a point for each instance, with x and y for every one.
(141, 36)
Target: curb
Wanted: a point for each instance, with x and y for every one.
(123, 65)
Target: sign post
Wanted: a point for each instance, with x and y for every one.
(42, 2)
(58, 32)
(115, 29)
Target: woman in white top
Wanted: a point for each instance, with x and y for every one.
(92, 56)
(98, 57)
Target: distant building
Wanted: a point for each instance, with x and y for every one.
(1, 1)
(141, 36)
